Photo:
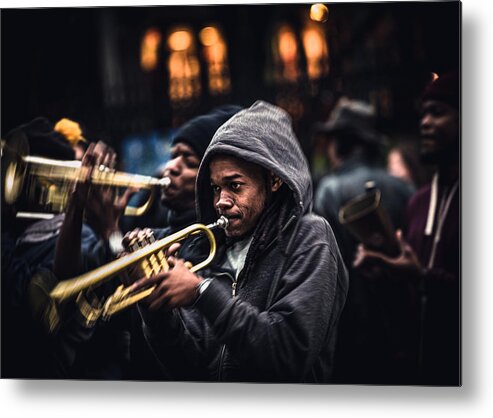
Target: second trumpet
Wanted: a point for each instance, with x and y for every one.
(40, 187)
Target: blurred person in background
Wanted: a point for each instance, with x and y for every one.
(29, 248)
(368, 338)
(429, 262)
(403, 162)
(176, 207)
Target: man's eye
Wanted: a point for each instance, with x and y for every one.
(215, 189)
(435, 110)
(235, 186)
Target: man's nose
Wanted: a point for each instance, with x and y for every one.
(173, 166)
(225, 201)
(425, 122)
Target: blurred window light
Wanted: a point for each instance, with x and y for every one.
(183, 67)
(216, 57)
(287, 55)
(149, 49)
(209, 36)
(316, 52)
(180, 40)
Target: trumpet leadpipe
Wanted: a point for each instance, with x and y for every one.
(104, 176)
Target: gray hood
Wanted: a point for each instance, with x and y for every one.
(261, 134)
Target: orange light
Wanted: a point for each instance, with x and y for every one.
(434, 76)
(180, 40)
(152, 38)
(319, 12)
(149, 48)
(316, 51)
(209, 36)
(287, 44)
(313, 43)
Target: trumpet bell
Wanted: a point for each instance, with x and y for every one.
(368, 221)
(13, 167)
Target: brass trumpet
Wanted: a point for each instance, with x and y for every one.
(153, 262)
(40, 187)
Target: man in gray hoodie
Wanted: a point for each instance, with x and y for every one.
(266, 309)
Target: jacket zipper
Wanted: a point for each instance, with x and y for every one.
(223, 348)
(221, 357)
(233, 293)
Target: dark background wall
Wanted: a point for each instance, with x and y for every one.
(55, 62)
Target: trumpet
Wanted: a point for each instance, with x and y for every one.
(368, 221)
(153, 261)
(40, 187)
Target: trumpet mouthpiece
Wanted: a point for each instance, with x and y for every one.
(222, 222)
(164, 182)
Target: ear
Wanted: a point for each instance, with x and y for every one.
(276, 182)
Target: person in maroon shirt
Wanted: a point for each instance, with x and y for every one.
(430, 252)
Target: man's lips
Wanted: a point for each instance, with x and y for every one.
(231, 218)
(169, 191)
(428, 141)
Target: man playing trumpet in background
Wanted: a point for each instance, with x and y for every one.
(105, 210)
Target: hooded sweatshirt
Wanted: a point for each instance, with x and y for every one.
(277, 321)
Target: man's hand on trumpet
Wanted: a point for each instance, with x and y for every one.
(99, 206)
(104, 206)
(135, 240)
(93, 158)
(68, 249)
(176, 288)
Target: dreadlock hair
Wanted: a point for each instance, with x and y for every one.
(271, 224)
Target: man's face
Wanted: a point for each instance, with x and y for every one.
(439, 129)
(182, 171)
(240, 193)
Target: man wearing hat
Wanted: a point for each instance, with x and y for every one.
(430, 255)
(188, 148)
(364, 354)
(177, 206)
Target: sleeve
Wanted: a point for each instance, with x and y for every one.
(181, 342)
(95, 251)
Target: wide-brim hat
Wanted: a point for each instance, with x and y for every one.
(355, 118)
